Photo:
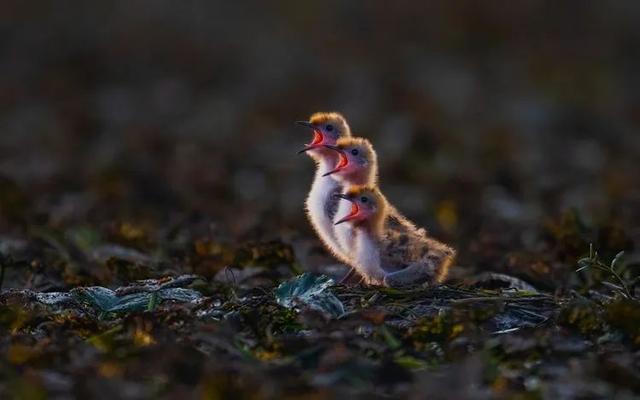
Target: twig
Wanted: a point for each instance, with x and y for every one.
(497, 298)
(529, 312)
(510, 330)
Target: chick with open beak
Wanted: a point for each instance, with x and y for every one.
(357, 162)
(321, 203)
(361, 208)
(357, 165)
(385, 255)
(327, 128)
(365, 219)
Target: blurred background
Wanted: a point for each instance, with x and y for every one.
(509, 129)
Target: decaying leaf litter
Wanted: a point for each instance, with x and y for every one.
(250, 323)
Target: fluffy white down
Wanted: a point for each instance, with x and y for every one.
(320, 203)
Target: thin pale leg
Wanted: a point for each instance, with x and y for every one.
(413, 274)
(347, 276)
(444, 268)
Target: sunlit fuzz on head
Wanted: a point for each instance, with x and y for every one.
(357, 162)
(368, 206)
(327, 129)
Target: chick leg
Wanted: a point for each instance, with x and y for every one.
(348, 276)
(413, 274)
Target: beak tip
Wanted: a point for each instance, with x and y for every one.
(305, 123)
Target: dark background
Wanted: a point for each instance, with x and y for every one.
(495, 122)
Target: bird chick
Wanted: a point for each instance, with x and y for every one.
(385, 256)
(357, 162)
(321, 203)
(357, 165)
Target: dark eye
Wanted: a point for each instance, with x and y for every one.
(364, 199)
(355, 152)
(329, 128)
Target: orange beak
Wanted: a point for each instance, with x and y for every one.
(343, 161)
(355, 210)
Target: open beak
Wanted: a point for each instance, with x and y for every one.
(355, 210)
(342, 162)
(318, 138)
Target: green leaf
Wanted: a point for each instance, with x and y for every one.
(616, 260)
(582, 268)
(105, 341)
(97, 296)
(391, 340)
(311, 291)
(411, 362)
(153, 302)
(106, 300)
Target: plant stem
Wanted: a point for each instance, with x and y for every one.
(622, 283)
(613, 272)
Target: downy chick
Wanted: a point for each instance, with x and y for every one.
(321, 203)
(388, 257)
(357, 165)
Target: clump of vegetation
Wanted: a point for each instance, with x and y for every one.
(617, 271)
